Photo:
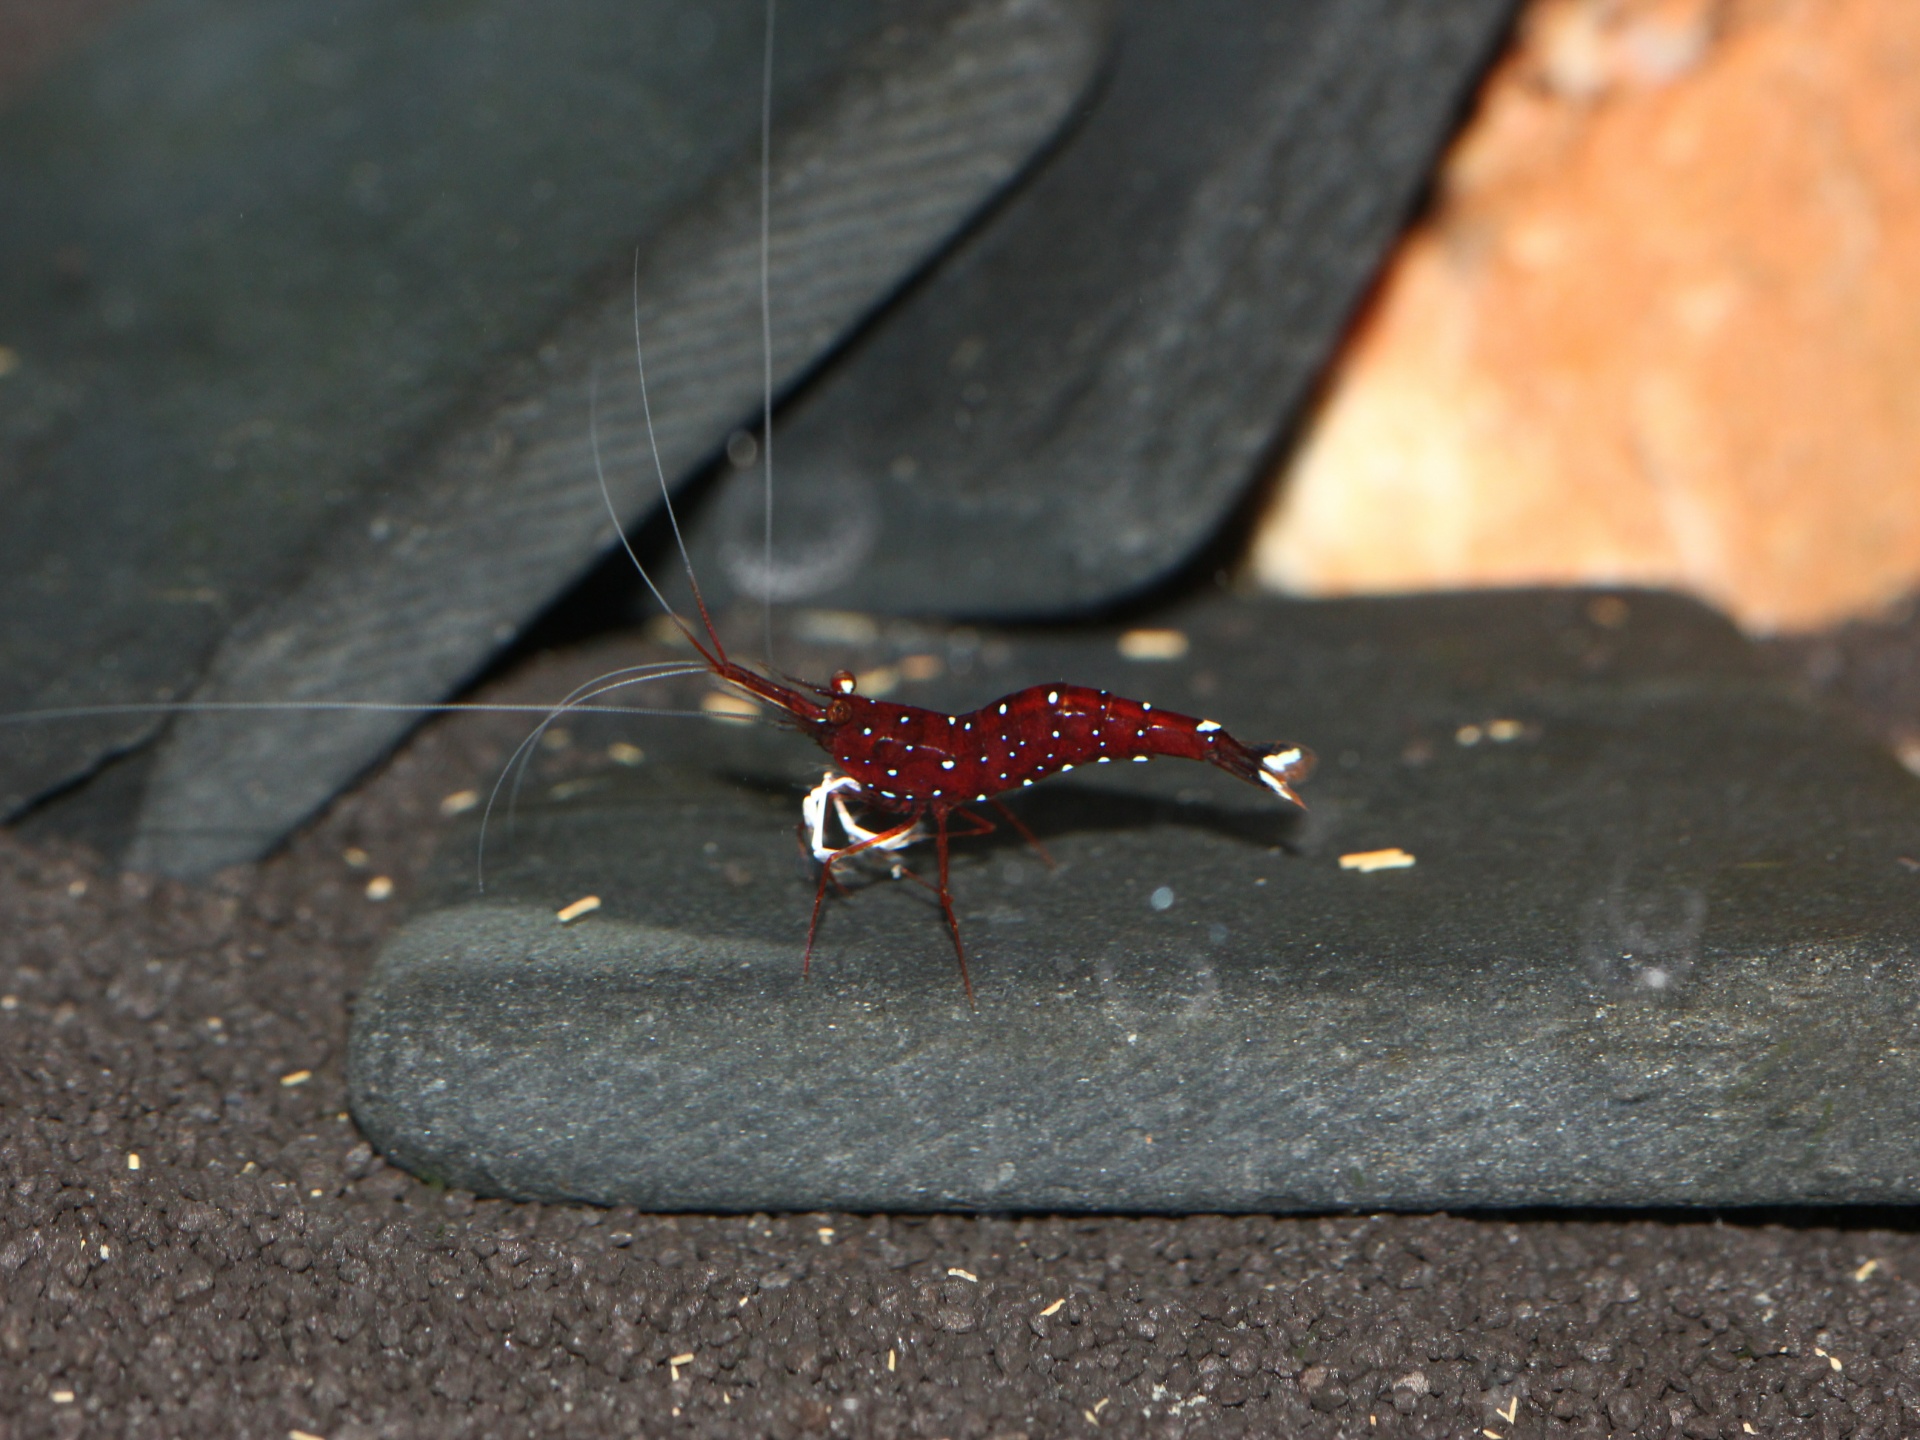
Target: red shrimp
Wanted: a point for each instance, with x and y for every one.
(913, 765)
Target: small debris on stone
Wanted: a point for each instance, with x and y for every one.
(921, 667)
(836, 627)
(556, 737)
(585, 905)
(1861, 1275)
(730, 709)
(296, 1077)
(1609, 612)
(879, 681)
(380, 887)
(621, 753)
(1054, 1308)
(957, 1273)
(133, 1161)
(1367, 861)
(355, 857)
(1150, 644)
(674, 1362)
(459, 802)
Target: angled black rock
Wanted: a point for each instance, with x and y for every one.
(1656, 947)
(1069, 408)
(309, 301)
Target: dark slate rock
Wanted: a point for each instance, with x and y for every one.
(1067, 411)
(310, 298)
(1658, 948)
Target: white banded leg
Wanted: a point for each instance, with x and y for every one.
(813, 810)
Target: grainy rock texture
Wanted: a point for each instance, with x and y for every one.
(213, 1292)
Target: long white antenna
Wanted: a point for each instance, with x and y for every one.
(577, 702)
(766, 327)
(600, 469)
(659, 671)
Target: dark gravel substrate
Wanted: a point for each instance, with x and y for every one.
(261, 1272)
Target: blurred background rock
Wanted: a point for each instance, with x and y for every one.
(1660, 326)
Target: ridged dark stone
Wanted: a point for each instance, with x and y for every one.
(312, 302)
(1070, 407)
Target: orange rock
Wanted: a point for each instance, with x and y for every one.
(1662, 327)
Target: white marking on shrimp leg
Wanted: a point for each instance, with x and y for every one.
(1284, 761)
(1207, 727)
(813, 811)
(860, 835)
(834, 789)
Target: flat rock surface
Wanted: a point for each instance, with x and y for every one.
(1071, 405)
(310, 310)
(1656, 947)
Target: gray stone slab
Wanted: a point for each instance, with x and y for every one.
(1072, 405)
(1657, 948)
(309, 300)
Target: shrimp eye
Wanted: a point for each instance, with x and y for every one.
(839, 712)
(842, 681)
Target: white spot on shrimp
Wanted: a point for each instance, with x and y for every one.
(1053, 697)
(1065, 768)
(1026, 782)
(946, 764)
(1285, 760)
(893, 772)
(1207, 727)
(1105, 759)
(1162, 898)
(1146, 705)
(1140, 759)
(1003, 709)
(1279, 787)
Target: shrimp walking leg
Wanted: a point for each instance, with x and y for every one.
(1020, 828)
(886, 839)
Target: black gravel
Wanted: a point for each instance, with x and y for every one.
(263, 1272)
